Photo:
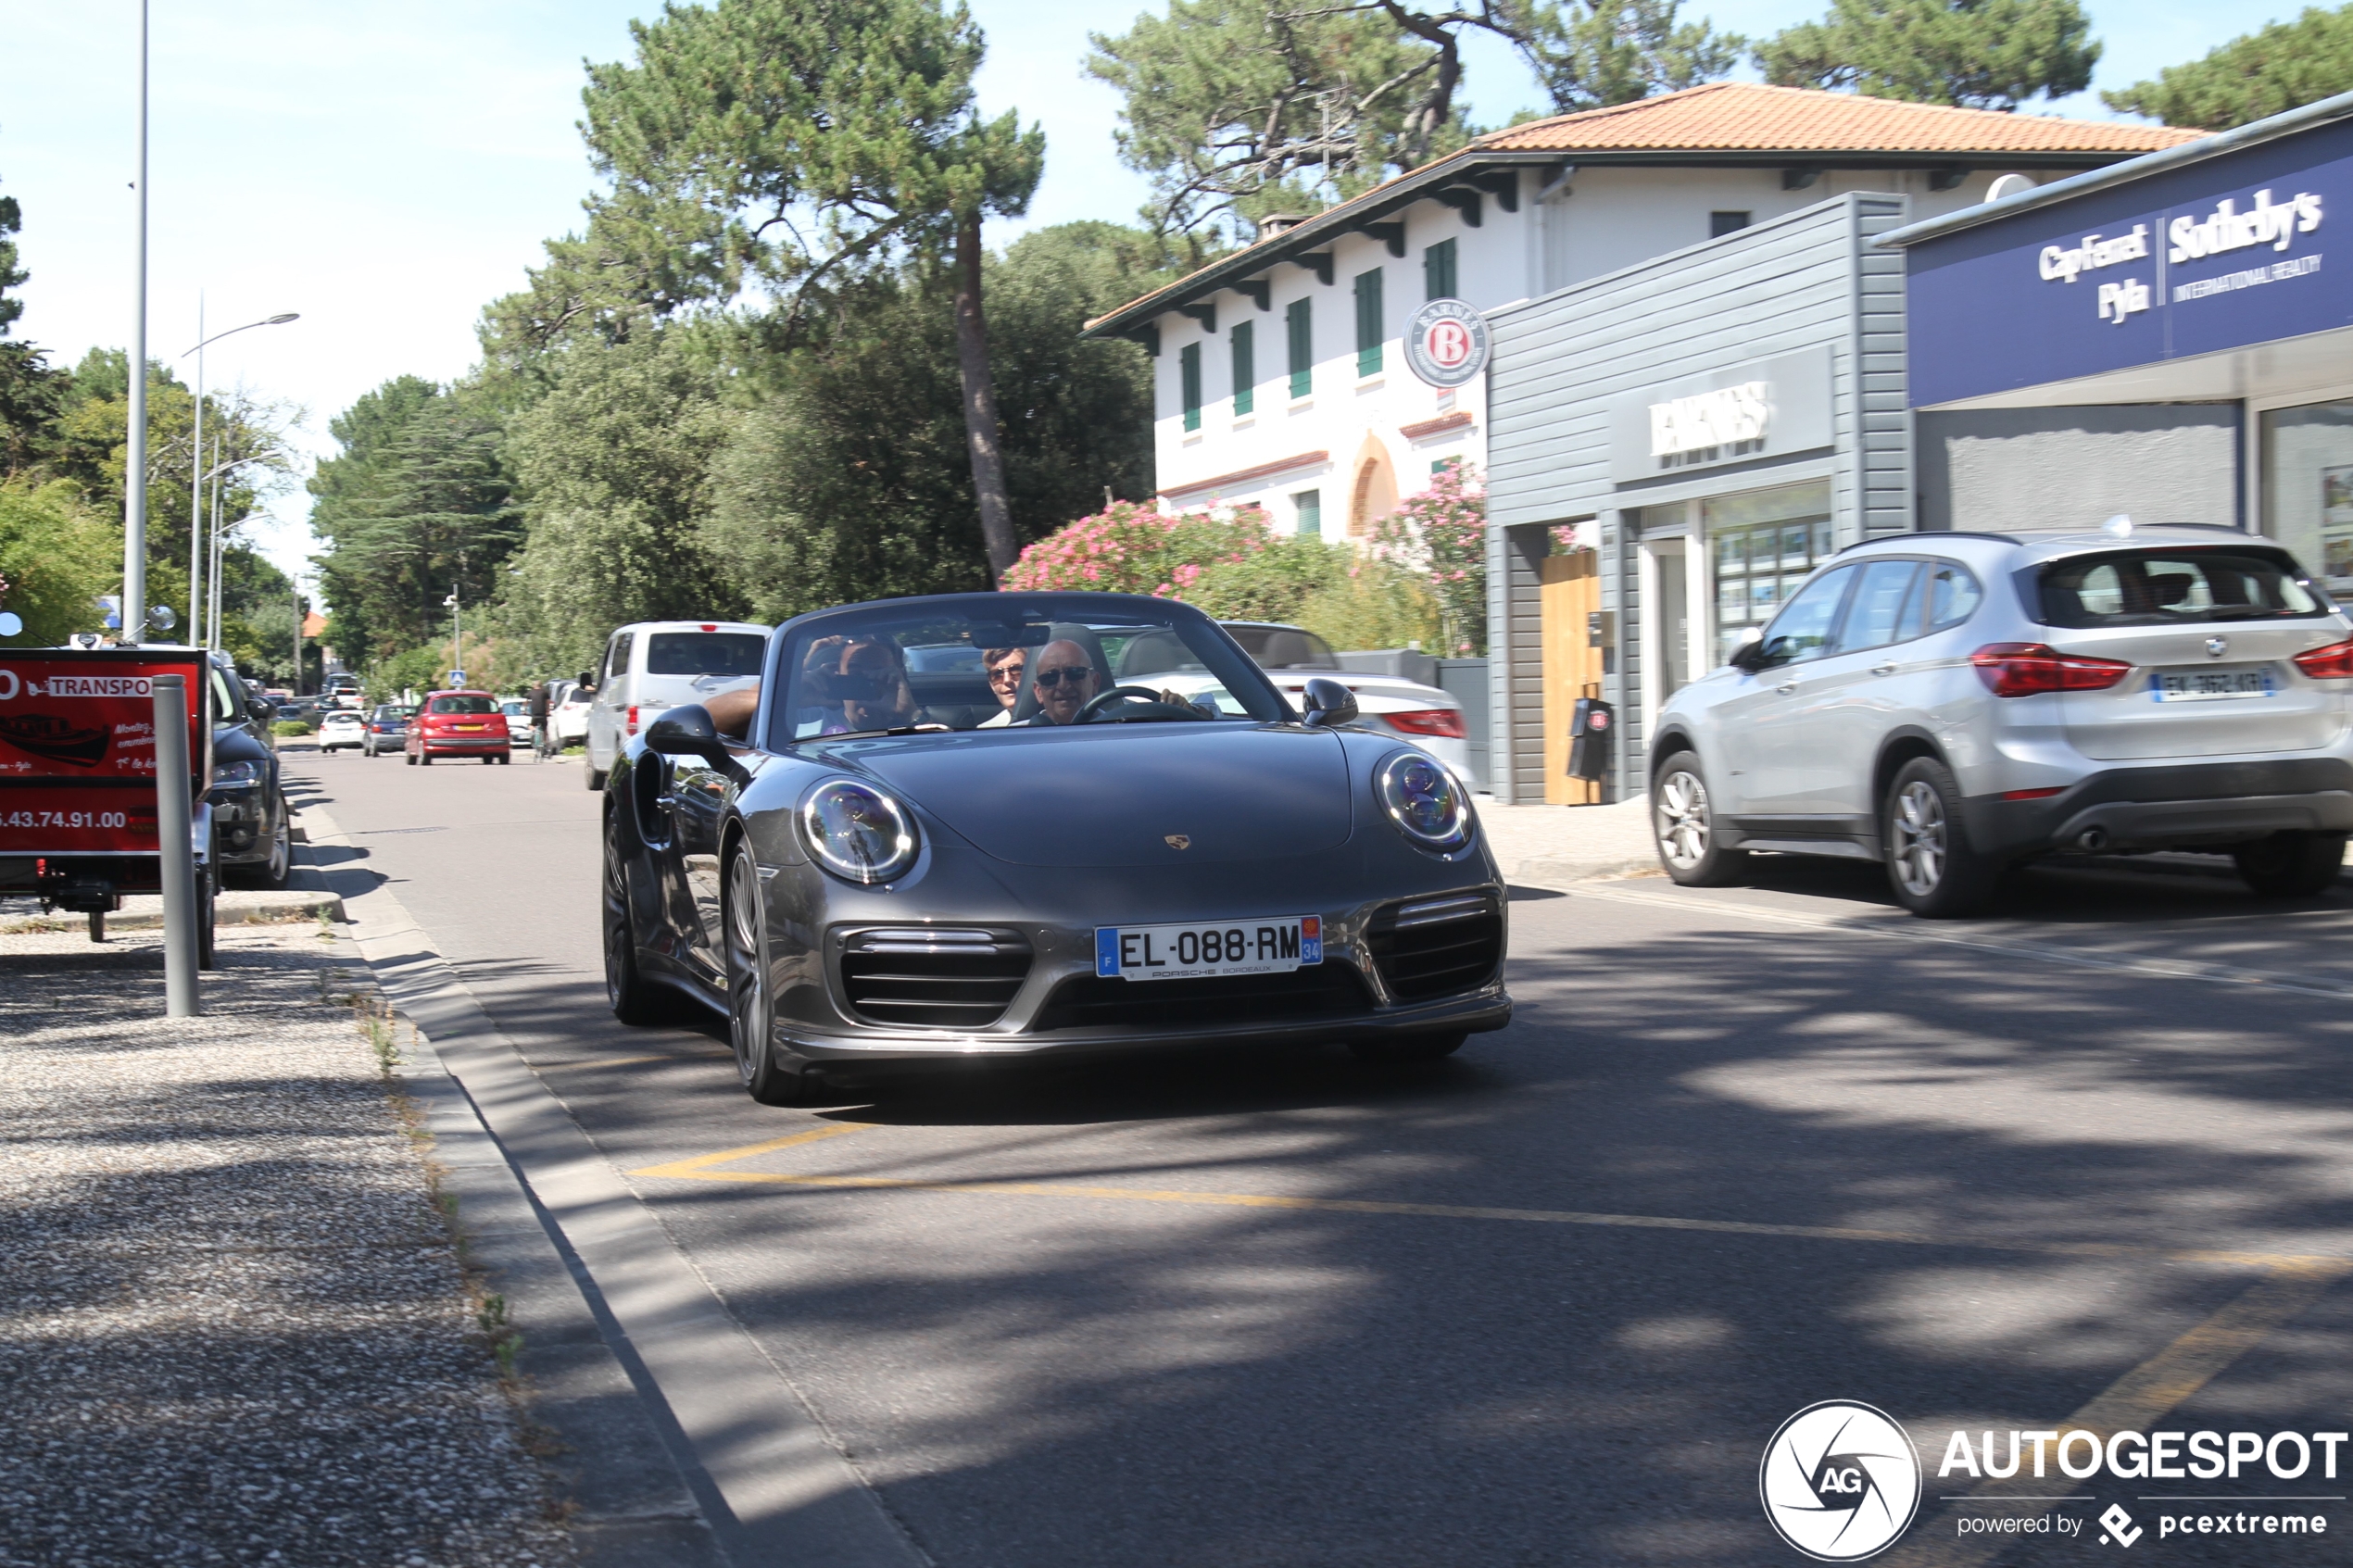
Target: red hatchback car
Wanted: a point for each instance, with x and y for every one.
(457, 725)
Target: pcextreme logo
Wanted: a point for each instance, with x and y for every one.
(1840, 1481)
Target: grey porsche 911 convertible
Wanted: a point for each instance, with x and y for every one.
(979, 825)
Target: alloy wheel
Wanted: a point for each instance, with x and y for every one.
(1681, 819)
(746, 982)
(1917, 827)
(619, 941)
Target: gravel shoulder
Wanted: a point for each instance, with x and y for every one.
(233, 1326)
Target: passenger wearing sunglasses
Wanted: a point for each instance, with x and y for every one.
(1004, 667)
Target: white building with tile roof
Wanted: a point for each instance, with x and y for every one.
(1280, 369)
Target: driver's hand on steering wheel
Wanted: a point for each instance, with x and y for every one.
(1174, 700)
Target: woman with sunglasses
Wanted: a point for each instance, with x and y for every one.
(1004, 667)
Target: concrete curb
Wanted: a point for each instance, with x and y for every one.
(771, 1483)
(1548, 872)
(232, 907)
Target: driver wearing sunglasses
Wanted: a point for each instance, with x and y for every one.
(1064, 679)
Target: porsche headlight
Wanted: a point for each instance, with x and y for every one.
(857, 832)
(1423, 800)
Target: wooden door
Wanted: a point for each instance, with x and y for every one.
(1569, 589)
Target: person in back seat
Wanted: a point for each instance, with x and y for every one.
(1004, 667)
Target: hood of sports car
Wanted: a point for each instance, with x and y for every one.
(1122, 794)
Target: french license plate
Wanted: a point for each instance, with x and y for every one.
(2211, 685)
(1180, 952)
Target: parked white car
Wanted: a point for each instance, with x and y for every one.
(1952, 704)
(1430, 716)
(653, 666)
(341, 731)
(568, 712)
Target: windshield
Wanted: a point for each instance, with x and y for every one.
(704, 653)
(986, 663)
(461, 704)
(2178, 586)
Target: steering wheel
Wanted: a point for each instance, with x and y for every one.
(1143, 695)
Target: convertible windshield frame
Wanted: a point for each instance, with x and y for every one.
(952, 623)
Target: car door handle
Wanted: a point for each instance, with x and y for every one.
(666, 802)
(1785, 688)
(1884, 669)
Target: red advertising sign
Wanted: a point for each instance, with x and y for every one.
(78, 747)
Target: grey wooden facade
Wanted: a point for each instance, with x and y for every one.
(1804, 282)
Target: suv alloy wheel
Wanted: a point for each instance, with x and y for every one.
(1931, 866)
(1684, 823)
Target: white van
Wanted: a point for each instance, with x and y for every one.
(655, 665)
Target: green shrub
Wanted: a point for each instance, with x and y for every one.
(1376, 605)
(290, 727)
(1273, 584)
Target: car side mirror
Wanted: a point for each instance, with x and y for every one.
(1750, 655)
(686, 732)
(1329, 702)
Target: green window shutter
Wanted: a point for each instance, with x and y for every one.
(1299, 321)
(1307, 506)
(1368, 323)
(1244, 340)
(1438, 270)
(1189, 369)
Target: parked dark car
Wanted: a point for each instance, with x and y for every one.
(252, 830)
(906, 864)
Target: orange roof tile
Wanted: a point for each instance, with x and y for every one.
(1746, 115)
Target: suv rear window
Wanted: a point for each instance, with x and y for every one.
(704, 653)
(2176, 586)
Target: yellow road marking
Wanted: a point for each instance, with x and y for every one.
(2132, 1403)
(693, 1169)
(704, 1170)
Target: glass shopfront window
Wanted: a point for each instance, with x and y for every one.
(1762, 545)
(2308, 487)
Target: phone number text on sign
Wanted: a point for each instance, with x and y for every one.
(64, 818)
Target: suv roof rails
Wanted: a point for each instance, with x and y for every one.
(1925, 533)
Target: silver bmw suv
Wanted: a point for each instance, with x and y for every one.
(1952, 704)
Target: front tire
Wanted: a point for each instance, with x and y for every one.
(271, 873)
(750, 1012)
(2291, 865)
(1683, 827)
(635, 1000)
(589, 773)
(1932, 867)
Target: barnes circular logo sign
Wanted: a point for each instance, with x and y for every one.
(1446, 342)
(1840, 1481)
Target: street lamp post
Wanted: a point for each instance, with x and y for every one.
(457, 632)
(197, 557)
(135, 486)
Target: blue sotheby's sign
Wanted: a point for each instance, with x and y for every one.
(2215, 254)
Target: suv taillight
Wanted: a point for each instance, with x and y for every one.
(2334, 662)
(1440, 722)
(633, 717)
(2025, 669)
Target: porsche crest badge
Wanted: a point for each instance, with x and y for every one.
(1176, 841)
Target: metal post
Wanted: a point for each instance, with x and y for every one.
(135, 473)
(219, 479)
(175, 839)
(196, 550)
(298, 646)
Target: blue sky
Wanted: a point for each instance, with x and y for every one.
(386, 168)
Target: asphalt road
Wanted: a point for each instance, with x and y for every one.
(2084, 1163)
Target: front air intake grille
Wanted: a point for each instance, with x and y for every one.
(1430, 948)
(1330, 989)
(933, 979)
